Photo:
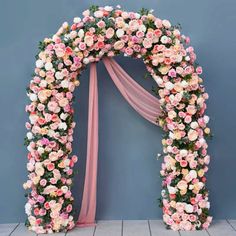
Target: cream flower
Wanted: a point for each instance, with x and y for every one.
(192, 135)
(119, 45)
(182, 185)
(48, 66)
(120, 33)
(39, 170)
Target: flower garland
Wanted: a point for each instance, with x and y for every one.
(108, 31)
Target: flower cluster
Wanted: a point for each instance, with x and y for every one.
(108, 31)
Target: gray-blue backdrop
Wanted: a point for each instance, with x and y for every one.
(128, 180)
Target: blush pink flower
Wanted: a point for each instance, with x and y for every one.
(192, 135)
(50, 166)
(52, 106)
(110, 33)
(172, 73)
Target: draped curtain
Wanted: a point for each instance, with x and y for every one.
(142, 101)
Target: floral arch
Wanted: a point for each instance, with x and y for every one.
(107, 32)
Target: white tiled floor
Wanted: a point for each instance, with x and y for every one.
(128, 228)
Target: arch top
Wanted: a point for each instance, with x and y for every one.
(107, 32)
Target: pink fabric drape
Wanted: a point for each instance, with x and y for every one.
(142, 101)
(88, 208)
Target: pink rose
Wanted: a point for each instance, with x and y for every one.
(180, 207)
(110, 33)
(98, 14)
(199, 70)
(52, 106)
(191, 109)
(42, 212)
(186, 225)
(187, 119)
(172, 73)
(183, 163)
(53, 156)
(40, 199)
(50, 166)
(82, 46)
(53, 180)
(129, 51)
(139, 34)
(88, 39)
(192, 218)
(101, 24)
(43, 182)
(147, 43)
(60, 52)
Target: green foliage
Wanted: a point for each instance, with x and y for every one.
(143, 11)
(93, 8)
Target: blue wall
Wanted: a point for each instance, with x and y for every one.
(128, 179)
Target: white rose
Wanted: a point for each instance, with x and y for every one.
(62, 125)
(171, 189)
(108, 8)
(67, 162)
(98, 14)
(33, 118)
(40, 150)
(206, 119)
(171, 135)
(169, 85)
(33, 97)
(39, 63)
(142, 28)
(43, 83)
(194, 125)
(63, 116)
(183, 152)
(65, 84)
(166, 24)
(164, 39)
(29, 148)
(30, 166)
(184, 84)
(64, 189)
(29, 135)
(51, 133)
(28, 209)
(120, 33)
(187, 58)
(65, 25)
(77, 20)
(81, 33)
(48, 66)
(158, 79)
(179, 58)
(188, 208)
(193, 174)
(73, 34)
(191, 187)
(59, 75)
(86, 13)
(86, 60)
(137, 15)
